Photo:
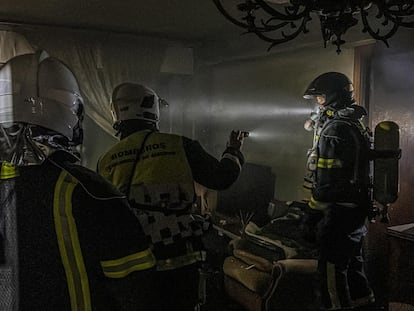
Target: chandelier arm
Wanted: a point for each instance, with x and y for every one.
(266, 27)
(397, 20)
(228, 16)
(391, 3)
(276, 14)
(391, 14)
(375, 34)
(397, 16)
(405, 24)
(286, 38)
(400, 13)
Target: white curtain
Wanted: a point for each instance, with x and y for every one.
(13, 44)
(102, 61)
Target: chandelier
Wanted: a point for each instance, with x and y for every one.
(279, 21)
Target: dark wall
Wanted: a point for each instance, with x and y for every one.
(391, 97)
(263, 95)
(250, 194)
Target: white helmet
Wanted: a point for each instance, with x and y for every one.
(41, 91)
(132, 101)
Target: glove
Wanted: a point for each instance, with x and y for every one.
(311, 122)
(236, 139)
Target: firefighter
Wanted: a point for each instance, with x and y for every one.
(157, 171)
(340, 190)
(67, 240)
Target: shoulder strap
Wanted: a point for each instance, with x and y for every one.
(131, 176)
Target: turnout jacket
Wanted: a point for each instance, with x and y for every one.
(157, 171)
(342, 170)
(341, 191)
(66, 234)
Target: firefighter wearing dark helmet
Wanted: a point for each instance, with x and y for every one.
(340, 198)
(67, 240)
(158, 171)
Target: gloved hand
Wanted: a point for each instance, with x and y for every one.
(236, 139)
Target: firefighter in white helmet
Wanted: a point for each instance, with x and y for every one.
(67, 240)
(157, 171)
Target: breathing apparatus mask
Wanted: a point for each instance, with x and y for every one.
(41, 109)
(310, 123)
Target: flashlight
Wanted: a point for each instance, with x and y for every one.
(244, 134)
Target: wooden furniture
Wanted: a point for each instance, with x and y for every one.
(401, 263)
(259, 285)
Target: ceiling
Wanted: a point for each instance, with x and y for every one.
(174, 19)
(186, 20)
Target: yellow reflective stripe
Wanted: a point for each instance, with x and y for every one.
(121, 267)
(8, 171)
(318, 205)
(331, 282)
(329, 163)
(180, 261)
(69, 246)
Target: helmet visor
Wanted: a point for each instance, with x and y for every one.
(46, 111)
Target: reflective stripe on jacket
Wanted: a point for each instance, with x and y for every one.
(72, 231)
(342, 173)
(165, 173)
(162, 178)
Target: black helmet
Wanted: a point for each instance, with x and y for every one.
(335, 87)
